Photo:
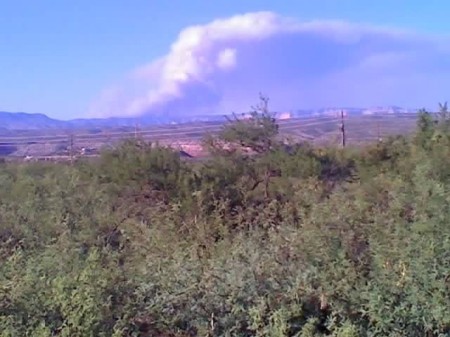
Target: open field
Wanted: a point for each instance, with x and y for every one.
(187, 137)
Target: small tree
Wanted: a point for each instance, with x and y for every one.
(430, 130)
(444, 114)
(249, 140)
(255, 134)
(426, 127)
(444, 119)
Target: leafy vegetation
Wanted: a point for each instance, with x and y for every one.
(262, 239)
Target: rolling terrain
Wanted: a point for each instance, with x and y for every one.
(322, 129)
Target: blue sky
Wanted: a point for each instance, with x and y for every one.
(71, 59)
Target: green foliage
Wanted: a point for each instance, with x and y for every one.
(141, 164)
(280, 240)
(256, 133)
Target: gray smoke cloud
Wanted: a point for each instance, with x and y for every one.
(220, 67)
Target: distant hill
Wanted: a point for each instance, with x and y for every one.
(10, 121)
(30, 121)
(27, 121)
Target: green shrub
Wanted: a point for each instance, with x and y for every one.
(284, 241)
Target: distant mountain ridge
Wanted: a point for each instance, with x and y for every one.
(37, 121)
(336, 111)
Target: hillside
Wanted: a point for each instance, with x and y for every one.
(360, 129)
(10, 121)
(27, 121)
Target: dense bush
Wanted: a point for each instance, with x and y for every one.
(262, 239)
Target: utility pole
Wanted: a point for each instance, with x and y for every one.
(71, 149)
(343, 128)
(108, 139)
(378, 132)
